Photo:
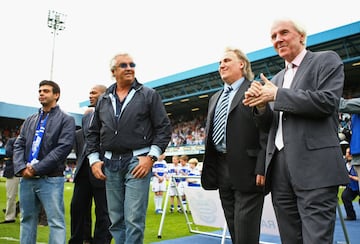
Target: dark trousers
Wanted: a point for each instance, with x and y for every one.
(303, 216)
(81, 204)
(242, 210)
(42, 217)
(347, 196)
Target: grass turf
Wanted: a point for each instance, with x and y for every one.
(174, 225)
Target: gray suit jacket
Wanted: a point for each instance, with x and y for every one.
(310, 122)
(351, 106)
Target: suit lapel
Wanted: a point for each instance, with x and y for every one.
(279, 82)
(211, 111)
(239, 95)
(212, 104)
(306, 62)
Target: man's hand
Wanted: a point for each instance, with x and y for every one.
(253, 91)
(259, 95)
(260, 180)
(143, 168)
(96, 169)
(28, 172)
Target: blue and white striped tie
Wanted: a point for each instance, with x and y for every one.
(220, 118)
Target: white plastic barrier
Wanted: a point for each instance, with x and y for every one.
(205, 207)
(206, 210)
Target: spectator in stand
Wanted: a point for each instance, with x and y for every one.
(352, 189)
(159, 170)
(45, 140)
(352, 106)
(344, 130)
(12, 184)
(173, 171)
(187, 133)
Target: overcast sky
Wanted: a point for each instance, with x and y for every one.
(164, 37)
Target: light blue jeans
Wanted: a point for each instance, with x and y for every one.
(127, 199)
(48, 191)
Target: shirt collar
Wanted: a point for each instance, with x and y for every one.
(298, 59)
(234, 85)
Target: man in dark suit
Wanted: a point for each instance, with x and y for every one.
(87, 187)
(234, 159)
(304, 164)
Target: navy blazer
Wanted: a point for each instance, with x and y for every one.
(83, 168)
(246, 146)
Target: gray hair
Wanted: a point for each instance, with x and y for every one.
(247, 71)
(113, 60)
(297, 25)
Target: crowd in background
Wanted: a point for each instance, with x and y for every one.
(186, 132)
(6, 134)
(345, 127)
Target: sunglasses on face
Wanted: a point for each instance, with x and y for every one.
(125, 65)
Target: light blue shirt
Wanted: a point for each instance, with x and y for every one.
(221, 147)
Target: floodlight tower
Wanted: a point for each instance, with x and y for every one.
(56, 21)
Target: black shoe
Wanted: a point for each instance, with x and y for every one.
(4, 210)
(350, 219)
(7, 221)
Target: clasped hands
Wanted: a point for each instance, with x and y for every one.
(28, 172)
(258, 94)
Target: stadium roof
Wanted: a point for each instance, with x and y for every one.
(188, 92)
(14, 115)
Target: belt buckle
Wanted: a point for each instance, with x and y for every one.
(115, 156)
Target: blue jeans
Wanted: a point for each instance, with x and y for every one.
(127, 199)
(49, 191)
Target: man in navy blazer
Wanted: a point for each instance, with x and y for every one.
(303, 170)
(236, 164)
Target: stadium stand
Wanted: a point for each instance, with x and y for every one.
(186, 94)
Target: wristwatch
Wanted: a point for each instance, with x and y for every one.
(153, 158)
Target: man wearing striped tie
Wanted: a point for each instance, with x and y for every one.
(234, 159)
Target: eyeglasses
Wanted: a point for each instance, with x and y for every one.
(125, 65)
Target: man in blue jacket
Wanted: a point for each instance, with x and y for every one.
(131, 126)
(46, 139)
